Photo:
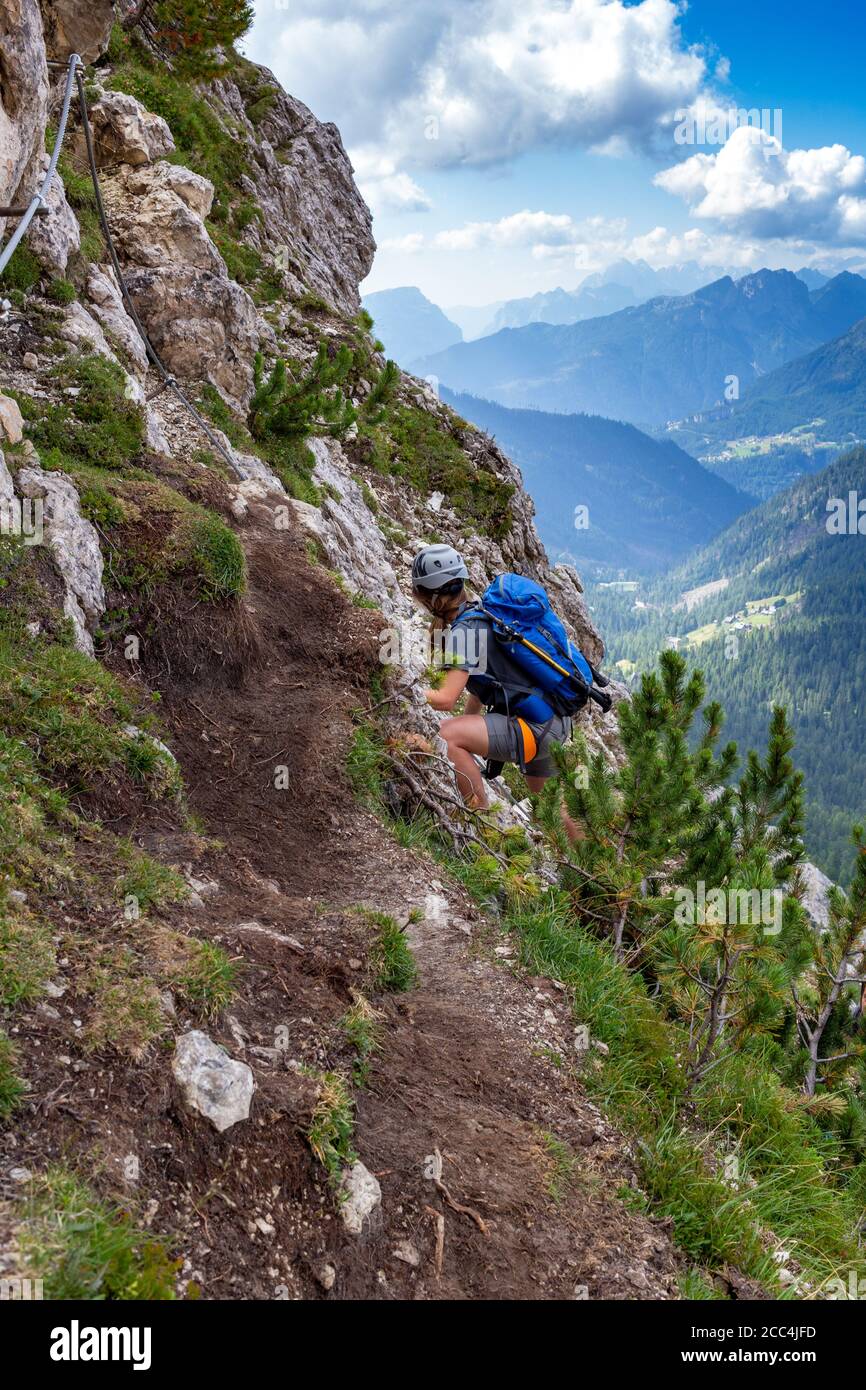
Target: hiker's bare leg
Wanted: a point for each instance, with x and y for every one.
(465, 735)
(574, 831)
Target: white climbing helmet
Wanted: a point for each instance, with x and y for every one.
(436, 566)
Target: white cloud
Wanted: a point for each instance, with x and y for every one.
(408, 245)
(519, 229)
(444, 82)
(755, 187)
(387, 188)
(596, 242)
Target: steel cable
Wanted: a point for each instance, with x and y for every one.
(39, 199)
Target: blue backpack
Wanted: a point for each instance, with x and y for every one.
(559, 679)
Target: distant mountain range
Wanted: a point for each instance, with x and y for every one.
(647, 502)
(622, 285)
(661, 361)
(474, 319)
(408, 323)
(795, 420)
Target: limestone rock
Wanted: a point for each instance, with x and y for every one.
(193, 189)
(54, 238)
(23, 99)
(201, 323)
(407, 1253)
(816, 892)
(71, 27)
(107, 304)
(74, 543)
(153, 225)
(11, 421)
(80, 328)
(362, 1195)
(212, 1082)
(125, 133)
(251, 469)
(314, 215)
(7, 491)
(352, 537)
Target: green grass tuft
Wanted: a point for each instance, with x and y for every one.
(146, 880)
(332, 1127)
(22, 273)
(12, 1088)
(99, 425)
(86, 1248)
(361, 1026)
(391, 957)
(206, 982)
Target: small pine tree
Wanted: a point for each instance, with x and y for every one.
(728, 966)
(690, 876)
(193, 31)
(315, 404)
(637, 816)
(824, 999)
(381, 394)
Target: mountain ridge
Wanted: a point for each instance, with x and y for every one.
(645, 505)
(638, 365)
(405, 319)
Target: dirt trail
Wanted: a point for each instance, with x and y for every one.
(466, 1064)
(477, 1062)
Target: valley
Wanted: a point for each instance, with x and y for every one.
(771, 611)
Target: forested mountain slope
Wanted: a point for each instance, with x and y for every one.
(794, 420)
(809, 655)
(608, 498)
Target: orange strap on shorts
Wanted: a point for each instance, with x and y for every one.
(530, 747)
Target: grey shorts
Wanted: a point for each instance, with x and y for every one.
(508, 742)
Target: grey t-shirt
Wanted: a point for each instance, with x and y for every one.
(494, 677)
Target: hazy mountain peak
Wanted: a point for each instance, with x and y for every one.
(408, 323)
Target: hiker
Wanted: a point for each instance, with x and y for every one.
(520, 723)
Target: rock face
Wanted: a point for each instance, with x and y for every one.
(212, 1082)
(816, 894)
(71, 27)
(107, 304)
(193, 190)
(23, 97)
(54, 238)
(301, 177)
(125, 133)
(200, 321)
(153, 223)
(11, 421)
(74, 543)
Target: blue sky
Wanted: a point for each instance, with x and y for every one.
(508, 146)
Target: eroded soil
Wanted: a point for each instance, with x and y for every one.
(477, 1062)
